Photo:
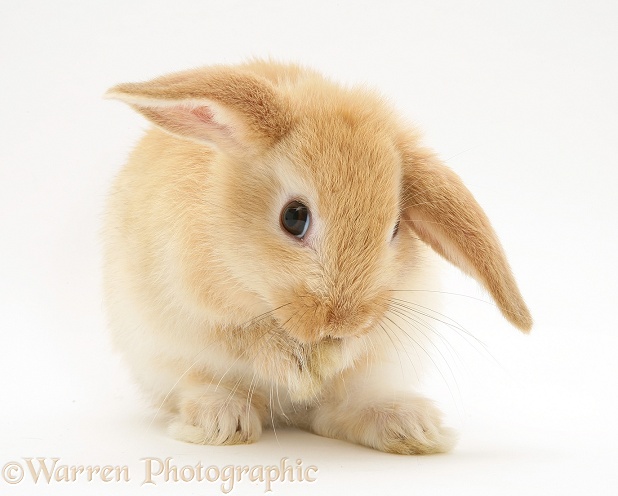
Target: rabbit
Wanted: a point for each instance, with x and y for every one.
(252, 245)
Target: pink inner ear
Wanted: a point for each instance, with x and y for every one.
(206, 116)
(192, 122)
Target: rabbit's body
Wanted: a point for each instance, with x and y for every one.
(230, 322)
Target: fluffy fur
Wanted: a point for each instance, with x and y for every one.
(231, 323)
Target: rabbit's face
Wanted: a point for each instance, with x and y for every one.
(321, 212)
(336, 234)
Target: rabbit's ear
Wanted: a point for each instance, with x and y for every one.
(234, 110)
(445, 215)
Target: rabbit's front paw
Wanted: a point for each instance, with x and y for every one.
(411, 425)
(408, 428)
(217, 418)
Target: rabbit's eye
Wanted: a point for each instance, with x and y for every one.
(295, 218)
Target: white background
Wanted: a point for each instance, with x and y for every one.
(518, 97)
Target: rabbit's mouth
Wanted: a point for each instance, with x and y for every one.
(311, 321)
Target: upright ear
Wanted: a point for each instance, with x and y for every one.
(446, 216)
(232, 109)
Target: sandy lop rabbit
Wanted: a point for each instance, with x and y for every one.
(253, 244)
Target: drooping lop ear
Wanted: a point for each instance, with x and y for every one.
(446, 216)
(233, 109)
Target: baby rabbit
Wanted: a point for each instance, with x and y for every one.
(253, 244)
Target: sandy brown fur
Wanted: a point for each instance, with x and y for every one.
(226, 319)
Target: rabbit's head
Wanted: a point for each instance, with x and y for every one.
(317, 197)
